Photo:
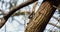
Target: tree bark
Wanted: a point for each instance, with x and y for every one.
(41, 18)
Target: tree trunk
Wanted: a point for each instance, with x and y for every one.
(41, 18)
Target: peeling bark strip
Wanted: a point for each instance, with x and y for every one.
(41, 18)
(14, 9)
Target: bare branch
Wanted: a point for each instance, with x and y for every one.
(54, 25)
(21, 13)
(56, 18)
(14, 9)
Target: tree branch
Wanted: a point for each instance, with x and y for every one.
(21, 13)
(54, 25)
(56, 18)
(14, 9)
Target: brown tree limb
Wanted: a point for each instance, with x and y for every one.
(56, 18)
(14, 9)
(55, 25)
(41, 17)
(21, 13)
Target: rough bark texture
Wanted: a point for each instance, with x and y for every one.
(41, 18)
